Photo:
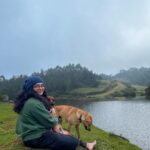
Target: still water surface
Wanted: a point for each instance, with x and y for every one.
(130, 119)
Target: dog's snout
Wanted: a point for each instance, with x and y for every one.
(87, 128)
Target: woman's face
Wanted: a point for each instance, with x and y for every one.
(39, 88)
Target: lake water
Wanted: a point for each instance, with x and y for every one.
(131, 119)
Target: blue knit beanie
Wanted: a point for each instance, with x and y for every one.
(31, 81)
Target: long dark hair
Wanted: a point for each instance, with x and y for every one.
(25, 95)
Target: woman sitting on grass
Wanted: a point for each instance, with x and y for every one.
(36, 126)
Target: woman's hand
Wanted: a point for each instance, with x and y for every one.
(58, 128)
(65, 132)
(53, 112)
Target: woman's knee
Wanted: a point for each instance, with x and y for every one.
(66, 142)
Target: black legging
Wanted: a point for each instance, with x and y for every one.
(55, 141)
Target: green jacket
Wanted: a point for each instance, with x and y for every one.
(34, 120)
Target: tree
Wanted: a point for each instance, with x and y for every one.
(138, 76)
(4, 98)
(58, 80)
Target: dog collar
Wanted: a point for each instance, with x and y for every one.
(80, 118)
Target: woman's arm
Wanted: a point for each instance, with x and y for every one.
(43, 116)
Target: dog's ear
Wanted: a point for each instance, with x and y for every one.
(51, 100)
(82, 117)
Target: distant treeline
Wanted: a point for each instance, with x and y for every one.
(58, 80)
(61, 80)
(137, 76)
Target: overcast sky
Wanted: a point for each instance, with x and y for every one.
(103, 35)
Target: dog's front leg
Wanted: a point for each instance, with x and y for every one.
(77, 130)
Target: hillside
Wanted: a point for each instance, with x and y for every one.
(107, 89)
(58, 80)
(140, 89)
(75, 81)
(9, 141)
(138, 76)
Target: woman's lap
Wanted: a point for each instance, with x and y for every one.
(54, 141)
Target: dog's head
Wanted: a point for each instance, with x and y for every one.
(86, 119)
(51, 101)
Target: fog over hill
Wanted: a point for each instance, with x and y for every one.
(102, 35)
(139, 76)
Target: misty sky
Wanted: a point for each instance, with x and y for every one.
(103, 35)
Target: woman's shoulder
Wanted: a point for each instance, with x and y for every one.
(30, 104)
(32, 101)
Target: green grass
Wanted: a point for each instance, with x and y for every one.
(9, 140)
(107, 89)
(104, 91)
(140, 90)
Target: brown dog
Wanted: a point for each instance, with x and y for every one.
(74, 116)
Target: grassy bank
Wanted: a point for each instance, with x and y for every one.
(9, 140)
(107, 90)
